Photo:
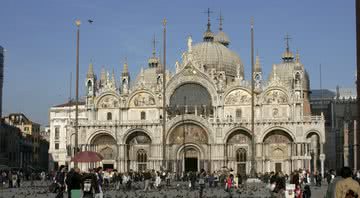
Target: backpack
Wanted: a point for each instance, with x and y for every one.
(87, 185)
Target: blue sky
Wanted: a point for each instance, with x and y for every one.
(39, 37)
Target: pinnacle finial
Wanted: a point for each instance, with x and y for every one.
(287, 38)
(154, 46)
(90, 72)
(208, 12)
(125, 67)
(257, 64)
(297, 56)
(221, 22)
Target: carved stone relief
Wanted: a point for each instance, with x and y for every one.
(142, 99)
(275, 97)
(238, 97)
(109, 102)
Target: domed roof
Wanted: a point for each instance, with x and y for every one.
(216, 55)
(222, 38)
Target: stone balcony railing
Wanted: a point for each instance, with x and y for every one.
(211, 119)
(116, 122)
(267, 120)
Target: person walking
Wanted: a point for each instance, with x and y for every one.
(60, 180)
(202, 182)
(99, 182)
(147, 178)
(75, 184)
(90, 184)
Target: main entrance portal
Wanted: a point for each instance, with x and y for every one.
(191, 164)
(191, 159)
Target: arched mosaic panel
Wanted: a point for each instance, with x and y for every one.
(238, 97)
(188, 133)
(142, 99)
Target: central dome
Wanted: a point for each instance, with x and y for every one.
(215, 55)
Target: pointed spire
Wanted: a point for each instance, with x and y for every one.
(125, 67)
(257, 64)
(221, 22)
(287, 55)
(103, 75)
(297, 59)
(90, 73)
(208, 35)
(154, 47)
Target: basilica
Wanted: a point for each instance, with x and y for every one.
(208, 107)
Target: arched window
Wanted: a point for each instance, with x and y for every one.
(141, 159)
(241, 161)
(238, 113)
(241, 155)
(109, 116)
(143, 115)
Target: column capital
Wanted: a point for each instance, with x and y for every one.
(322, 157)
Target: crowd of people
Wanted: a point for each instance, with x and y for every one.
(93, 183)
(96, 181)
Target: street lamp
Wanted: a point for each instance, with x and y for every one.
(77, 23)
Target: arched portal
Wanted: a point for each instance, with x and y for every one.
(238, 147)
(138, 145)
(190, 98)
(105, 144)
(278, 145)
(188, 141)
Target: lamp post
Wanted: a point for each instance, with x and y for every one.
(77, 23)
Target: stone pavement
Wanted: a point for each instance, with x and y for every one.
(178, 190)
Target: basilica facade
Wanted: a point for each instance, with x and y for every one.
(208, 115)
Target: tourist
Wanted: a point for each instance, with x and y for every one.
(211, 180)
(307, 192)
(75, 184)
(14, 179)
(168, 178)
(99, 182)
(192, 177)
(60, 181)
(9, 178)
(147, 178)
(68, 181)
(157, 179)
(347, 187)
(228, 183)
(202, 176)
(90, 185)
(18, 179)
(297, 191)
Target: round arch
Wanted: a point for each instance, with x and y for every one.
(235, 130)
(321, 139)
(99, 133)
(181, 79)
(276, 88)
(277, 128)
(193, 122)
(108, 93)
(132, 95)
(187, 146)
(132, 132)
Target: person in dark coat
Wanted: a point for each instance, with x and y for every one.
(76, 180)
(60, 180)
(68, 181)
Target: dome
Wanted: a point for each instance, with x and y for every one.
(216, 55)
(222, 38)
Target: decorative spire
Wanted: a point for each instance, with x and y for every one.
(113, 76)
(208, 35)
(153, 61)
(125, 67)
(297, 59)
(221, 22)
(257, 64)
(287, 55)
(103, 75)
(154, 47)
(90, 73)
